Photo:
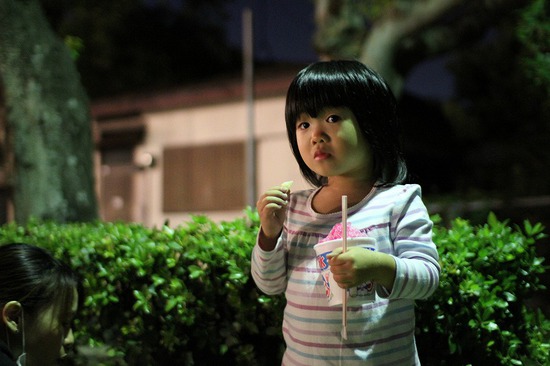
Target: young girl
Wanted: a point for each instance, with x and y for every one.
(38, 299)
(342, 126)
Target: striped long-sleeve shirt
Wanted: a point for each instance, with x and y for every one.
(378, 333)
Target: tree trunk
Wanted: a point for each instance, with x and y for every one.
(48, 119)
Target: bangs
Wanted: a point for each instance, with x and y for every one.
(315, 90)
(63, 298)
(67, 282)
(66, 291)
(56, 286)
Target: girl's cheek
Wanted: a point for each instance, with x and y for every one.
(349, 133)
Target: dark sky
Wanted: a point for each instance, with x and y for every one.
(283, 31)
(431, 80)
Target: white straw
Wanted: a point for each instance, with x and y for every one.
(344, 249)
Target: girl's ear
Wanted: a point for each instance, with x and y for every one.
(11, 316)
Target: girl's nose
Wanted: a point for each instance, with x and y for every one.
(318, 134)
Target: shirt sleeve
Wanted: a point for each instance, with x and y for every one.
(268, 268)
(416, 257)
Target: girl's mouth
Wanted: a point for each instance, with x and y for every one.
(319, 155)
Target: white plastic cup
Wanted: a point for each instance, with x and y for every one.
(361, 294)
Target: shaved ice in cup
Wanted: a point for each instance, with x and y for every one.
(361, 294)
(337, 232)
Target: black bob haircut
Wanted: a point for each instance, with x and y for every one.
(32, 276)
(351, 84)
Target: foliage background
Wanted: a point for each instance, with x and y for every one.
(184, 295)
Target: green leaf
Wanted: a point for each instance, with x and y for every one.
(195, 271)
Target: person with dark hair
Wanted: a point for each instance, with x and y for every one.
(38, 300)
(342, 125)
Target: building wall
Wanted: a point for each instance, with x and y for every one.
(206, 125)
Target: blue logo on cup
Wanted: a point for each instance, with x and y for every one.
(322, 261)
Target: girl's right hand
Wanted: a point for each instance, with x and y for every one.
(271, 207)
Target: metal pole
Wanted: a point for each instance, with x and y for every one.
(248, 74)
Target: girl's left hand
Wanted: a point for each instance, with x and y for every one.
(359, 265)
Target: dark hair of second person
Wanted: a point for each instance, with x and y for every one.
(38, 300)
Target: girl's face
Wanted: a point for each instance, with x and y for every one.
(331, 144)
(48, 332)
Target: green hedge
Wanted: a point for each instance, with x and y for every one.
(184, 295)
(479, 314)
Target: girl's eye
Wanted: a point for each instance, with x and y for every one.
(302, 125)
(333, 118)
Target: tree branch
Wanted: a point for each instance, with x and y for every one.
(380, 46)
